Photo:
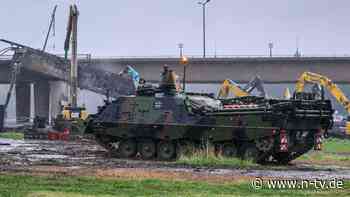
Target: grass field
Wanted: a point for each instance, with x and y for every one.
(335, 152)
(52, 186)
(204, 159)
(12, 135)
(334, 145)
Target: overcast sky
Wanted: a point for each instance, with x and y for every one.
(155, 27)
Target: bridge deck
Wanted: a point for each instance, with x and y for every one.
(214, 70)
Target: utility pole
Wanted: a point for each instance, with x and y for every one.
(203, 4)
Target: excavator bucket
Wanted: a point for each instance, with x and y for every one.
(258, 84)
(230, 86)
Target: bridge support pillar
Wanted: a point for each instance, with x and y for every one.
(57, 95)
(22, 101)
(42, 99)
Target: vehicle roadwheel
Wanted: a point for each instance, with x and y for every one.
(249, 152)
(127, 148)
(229, 150)
(282, 158)
(103, 141)
(166, 150)
(147, 149)
(264, 145)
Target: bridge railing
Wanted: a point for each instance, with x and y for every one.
(88, 57)
(5, 57)
(82, 56)
(222, 56)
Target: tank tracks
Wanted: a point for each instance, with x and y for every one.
(148, 149)
(260, 151)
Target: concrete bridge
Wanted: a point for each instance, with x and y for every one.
(98, 74)
(48, 75)
(215, 70)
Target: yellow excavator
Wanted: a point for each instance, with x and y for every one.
(71, 40)
(230, 86)
(72, 117)
(314, 78)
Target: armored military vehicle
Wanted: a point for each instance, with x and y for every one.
(157, 122)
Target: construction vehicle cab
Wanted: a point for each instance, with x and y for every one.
(69, 113)
(72, 120)
(337, 93)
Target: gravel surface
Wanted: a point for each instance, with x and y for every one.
(87, 158)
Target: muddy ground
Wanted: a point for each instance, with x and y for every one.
(86, 158)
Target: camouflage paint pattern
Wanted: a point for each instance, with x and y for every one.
(190, 117)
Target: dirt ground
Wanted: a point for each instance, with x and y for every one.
(86, 158)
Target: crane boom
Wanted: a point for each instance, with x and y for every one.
(71, 39)
(52, 26)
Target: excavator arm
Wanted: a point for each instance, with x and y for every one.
(309, 77)
(71, 28)
(257, 83)
(71, 41)
(230, 86)
(314, 78)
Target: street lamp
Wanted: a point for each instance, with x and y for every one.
(181, 47)
(184, 62)
(203, 4)
(270, 47)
